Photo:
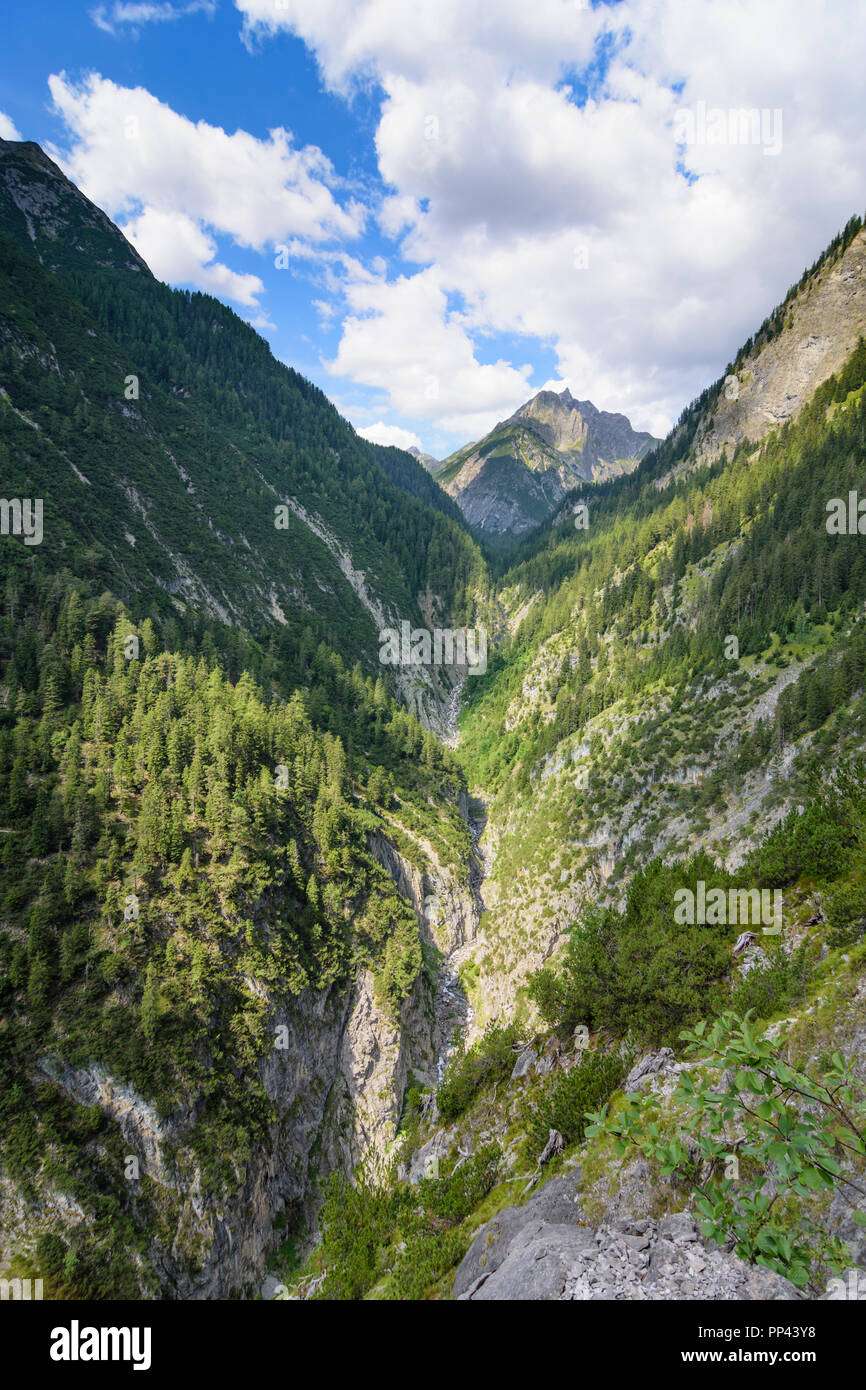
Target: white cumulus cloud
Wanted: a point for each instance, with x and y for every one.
(400, 338)
(380, 433)
(533, 173)
(179, 251)
(8, 128)
(145, 163)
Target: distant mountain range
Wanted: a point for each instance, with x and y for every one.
(516, 476)
(429, 462)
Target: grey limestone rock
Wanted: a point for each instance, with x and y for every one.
(524, 1064)
(649, 1066)
(545, 1251)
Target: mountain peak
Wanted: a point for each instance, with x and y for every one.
(54, 218)
(517, 475)
(428, 461)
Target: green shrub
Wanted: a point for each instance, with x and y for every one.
(773, 985)
(785, 1154)
(427, 1256)
(820, 841)
(357, 1221)
(588, 1085)
(639, 972)
(489, 1059)
(409, 1235)
(846, 912)
(454, 1197)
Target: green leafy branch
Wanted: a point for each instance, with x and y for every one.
(793, 1128)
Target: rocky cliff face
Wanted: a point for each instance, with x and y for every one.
(604, 440)
(820, 331)
(210, 1246)
(335, 1077)
(448, 909)
(45, 199)
(518, 474)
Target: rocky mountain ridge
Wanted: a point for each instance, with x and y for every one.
(516, 476)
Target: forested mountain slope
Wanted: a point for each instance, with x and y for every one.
(260, 927)
(232, 863)
(677, 716)
(180, 461)
(621, 719)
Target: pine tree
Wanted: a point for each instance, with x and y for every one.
(149, 1011)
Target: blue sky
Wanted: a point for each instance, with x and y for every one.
(435, 210)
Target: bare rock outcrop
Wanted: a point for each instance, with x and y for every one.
(824, 324)
(546, 1251)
